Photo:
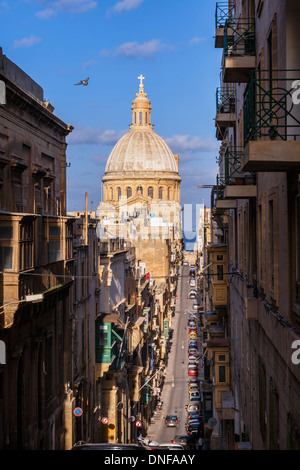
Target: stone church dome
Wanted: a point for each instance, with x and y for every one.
(141, 150)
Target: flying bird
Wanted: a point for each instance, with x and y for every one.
(83, 82)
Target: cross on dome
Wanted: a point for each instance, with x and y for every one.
(141, 78)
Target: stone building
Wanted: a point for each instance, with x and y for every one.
(36, 266)
(256, 205)
(141, 206)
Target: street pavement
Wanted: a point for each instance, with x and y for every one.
(175, 390)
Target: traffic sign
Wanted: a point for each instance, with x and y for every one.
(212, 422)
(104, 420)
(138, 424)
(132, 418)
(77, 411)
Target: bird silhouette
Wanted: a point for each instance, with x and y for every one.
(83, 82)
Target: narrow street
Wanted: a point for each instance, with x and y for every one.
(175, 391)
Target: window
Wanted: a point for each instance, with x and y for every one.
(271, 245)
(220, 272)
(129, 192)
(262, 395)
(150, 192)
(297, 245)
(49, 368)
(6, 257)
(69, 241)
(160, 193)
(111, 193)
(54, 243)
(169, 193)
(6, 232)
(119, 193)
(139, 189)
(141, 118)
(222, 374)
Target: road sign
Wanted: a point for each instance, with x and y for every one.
(77, 411)
(132, 418)
(104, 420)
(212, 422)
(138, 424)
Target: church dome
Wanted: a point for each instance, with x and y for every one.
(141, 151)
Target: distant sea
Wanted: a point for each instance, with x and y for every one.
(189, 241)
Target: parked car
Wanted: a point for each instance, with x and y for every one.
(171, 446)
(195, 306)
(186, 263)
(171, 421)
(192, 371)
(193, 351)
(192, 282)
(193, 429)
(193, 407)
(81, 445)
(194, 394)
(193, 414)
(193, 295)
(192, 266)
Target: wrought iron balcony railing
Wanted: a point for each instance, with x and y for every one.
(225, 100)
(239, 38)
(232, 171)
(223, 13)
(271, 105)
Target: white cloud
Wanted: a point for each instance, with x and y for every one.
(127, 5)
(134, 49)
(196, 40)
(26, 42)
(98, 135)
(183, 143)
(71, 6)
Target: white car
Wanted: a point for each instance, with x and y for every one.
(195, 306)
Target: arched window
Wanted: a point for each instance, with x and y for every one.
(129, 192)
(160, 193)
(111, 194)
(141, 118)
(139, 189)
(134, 118)
(150, 192)
(169, 193)
(119, 193)
(146, 116)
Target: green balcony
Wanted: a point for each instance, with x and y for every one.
(272, 121)
(234, 183)
(225, 106)
(239, 50)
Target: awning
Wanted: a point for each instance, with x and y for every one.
(138, 320)
(109, 317)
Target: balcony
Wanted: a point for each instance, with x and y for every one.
(223, 14)
(234, 183)
(225, 116)
(272, 122)
(239, 50)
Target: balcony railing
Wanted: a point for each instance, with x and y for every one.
(225, 100)
(223, 13)
(271, 107)
(233, 174)
(239, 38)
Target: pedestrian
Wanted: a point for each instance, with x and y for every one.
(199, 444)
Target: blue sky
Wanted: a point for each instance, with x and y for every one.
(60, 42)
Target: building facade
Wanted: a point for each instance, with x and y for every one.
(36, 266)
(256, 205)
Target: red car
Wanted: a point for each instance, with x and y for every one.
(192, 371)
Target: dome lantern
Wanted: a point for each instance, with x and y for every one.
(141, 107)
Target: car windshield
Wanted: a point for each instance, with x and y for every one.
(171, 417)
